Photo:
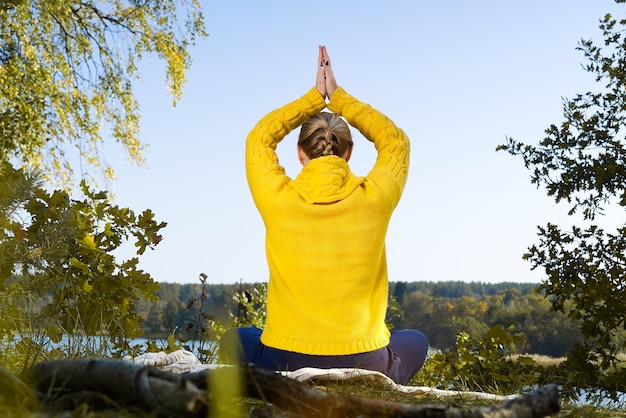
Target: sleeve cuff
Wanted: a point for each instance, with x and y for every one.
(315, 98)
(339, 100)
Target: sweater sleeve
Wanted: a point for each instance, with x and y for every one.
(262, 166)
(392, 144)
(263, 170)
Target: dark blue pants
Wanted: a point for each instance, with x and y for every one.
(400, 360)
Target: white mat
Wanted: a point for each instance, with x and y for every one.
(183, 361)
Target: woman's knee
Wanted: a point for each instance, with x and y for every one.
(421, 340)
(411, 345)
(409, 338)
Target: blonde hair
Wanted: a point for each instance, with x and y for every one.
(325, 134)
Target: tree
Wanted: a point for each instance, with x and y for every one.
(58, 273)
(400, 291)
(583, 162)
(66, 74)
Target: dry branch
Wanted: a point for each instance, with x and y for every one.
(167, 394)
(126, 384)
(306, 401)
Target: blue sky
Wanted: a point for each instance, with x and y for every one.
(457, 77)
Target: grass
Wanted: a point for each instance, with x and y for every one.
(361, 388)
(376, 390)
(380, 391)
(541, 359)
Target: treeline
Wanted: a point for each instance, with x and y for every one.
(439, 309)
(442, 310)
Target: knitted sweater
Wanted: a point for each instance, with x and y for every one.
(325, 231)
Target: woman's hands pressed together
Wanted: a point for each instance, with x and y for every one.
(325, 80)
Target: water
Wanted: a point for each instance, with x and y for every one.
(76, 345)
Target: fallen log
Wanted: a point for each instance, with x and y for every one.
(189, 395)
(308, 402)
(123, 383)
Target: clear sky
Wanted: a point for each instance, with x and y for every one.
(457, 76)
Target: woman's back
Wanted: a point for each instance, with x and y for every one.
(325, 233)
(325, 240)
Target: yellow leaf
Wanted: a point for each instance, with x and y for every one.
(87, 287)
(89, 242)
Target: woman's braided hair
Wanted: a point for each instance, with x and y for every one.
(324, 134)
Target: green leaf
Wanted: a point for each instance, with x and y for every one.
(527, 361)
(80, 265)
(500, 377)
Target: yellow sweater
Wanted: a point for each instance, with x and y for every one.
(325, 231)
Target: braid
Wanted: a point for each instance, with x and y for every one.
(327, 145)
(332, 145)
(325, 134)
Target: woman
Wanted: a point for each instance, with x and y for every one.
(325, 240)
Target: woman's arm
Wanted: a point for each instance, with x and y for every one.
(261, 157)
(261, 143)
(390, 141)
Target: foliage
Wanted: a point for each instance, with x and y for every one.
(58, 273)
(251, 311)
(251, 307)
(194, 317)
(67, 69)
(583, 162)
(204, 329)
(442, 318)
(481, 364)
(15, 396)
(394, 313)
(196, 330)
(457, 288)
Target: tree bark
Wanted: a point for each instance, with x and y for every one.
(308, 402)
(189, 395)
(124, 383)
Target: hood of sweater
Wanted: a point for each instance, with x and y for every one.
(326, 180)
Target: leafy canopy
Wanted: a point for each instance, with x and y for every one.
(582, 162)
(66, 73)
